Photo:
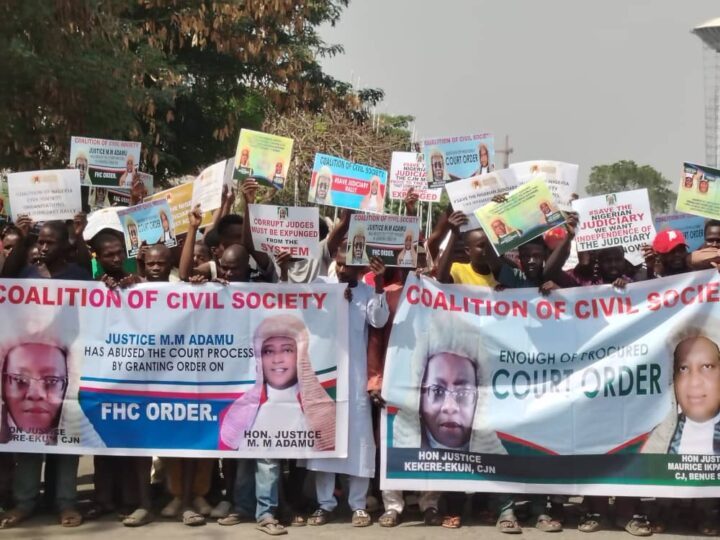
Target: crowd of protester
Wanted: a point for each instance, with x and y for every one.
(280, 493)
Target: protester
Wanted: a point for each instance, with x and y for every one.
(367, 308)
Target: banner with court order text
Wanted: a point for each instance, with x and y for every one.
(588, 391)
(160, 369)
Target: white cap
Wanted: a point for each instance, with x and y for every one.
(105, 218)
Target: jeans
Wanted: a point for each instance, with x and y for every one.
(28, 475)
(325, 488)
(256, 487)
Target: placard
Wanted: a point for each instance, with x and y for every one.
(286, 228)
(149, 222)
(208, 187)
(407, 170)
(45, 195)
(394, 239)
(180, 200)
(338, 182)
(453, 158)
(104, 162)
(263, 156)
(561, 178)
(469, 194)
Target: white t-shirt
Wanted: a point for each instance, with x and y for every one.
(697, 437)
(284, 412)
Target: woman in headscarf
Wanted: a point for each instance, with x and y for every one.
(373, 201)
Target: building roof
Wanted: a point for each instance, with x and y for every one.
(709, 32)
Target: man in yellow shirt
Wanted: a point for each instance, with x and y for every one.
(483, 260)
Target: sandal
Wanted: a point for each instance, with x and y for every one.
(545, 523)
(201, 506)
(192, 519)
(138, 518)
(360, 518)
(271, 526)
(451, 522)
(590, 523)
(10, 519)
(320, 517)
(70, 518)
(391, 518)
(637, 526)
(508, 524)
(298, 520)
(233, 518)
(431, 517)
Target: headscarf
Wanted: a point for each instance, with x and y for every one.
(318, 407)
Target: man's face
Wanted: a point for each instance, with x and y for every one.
(697, 378)
(233, 267)
(200, 254)
(498, 228)
(158, 264)
(33, 386)
(322, 187)
(675, 260)
(165, 222)
(110, 255)
(477, 246)
(374, 187)
(282, 213)
(408, 242)
(449, 397)
(345, 273)
(278, 168)
(437, 163)
(611, 263)
(712, 236)
(358, 247)
(50, 247)
(703, 186)
(244, 156)
(532, 260)
(9, 242)
(279, 362)
(130, 164)
(81, 165)
(545, 208)
(688, 181)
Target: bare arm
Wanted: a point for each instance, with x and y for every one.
(436, 237)
(186, 257)
(336, 236)
(455, 221)
(559, 256)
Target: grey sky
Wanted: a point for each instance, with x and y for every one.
(589, 82)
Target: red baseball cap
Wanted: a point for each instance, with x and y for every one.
(554, 237)
(667, 240)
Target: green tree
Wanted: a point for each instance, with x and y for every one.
(180, 76)
(627, 175)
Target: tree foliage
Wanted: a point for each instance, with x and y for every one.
(337, 132)
(181, 76)
(627, 175)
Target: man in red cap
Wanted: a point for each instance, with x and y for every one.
(671, 249)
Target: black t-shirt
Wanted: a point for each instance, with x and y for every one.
(71, 271)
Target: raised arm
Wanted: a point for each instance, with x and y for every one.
(186, 257)
(559, 256)
(454, 222)
(339, 232)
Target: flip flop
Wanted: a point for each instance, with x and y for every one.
(508, 525)
(11, 518)
(192, 519)
(546, 523)
(451, 522)
(360, 518)
(271, 526)
(138, 518)
(70, 518)
(233, 518)
(637, 526)
(590, 523)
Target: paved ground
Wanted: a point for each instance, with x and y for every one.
(44, 526)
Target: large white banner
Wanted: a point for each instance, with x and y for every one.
(588, 391)
(243, 370)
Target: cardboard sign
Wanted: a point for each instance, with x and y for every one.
(616, 219)
(263, 156)
(469, 194)
(104, 162)
(394, 239)
(407, 170)
(338, 182)
(180, 200)
(208, 186)
(529, 211)
(287, 228)
(149, 222)
(699, 191)
(45, 195)
(561, 178)
(453, 158)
